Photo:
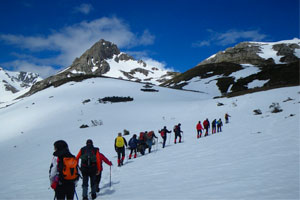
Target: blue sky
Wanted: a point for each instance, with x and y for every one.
(45, 36)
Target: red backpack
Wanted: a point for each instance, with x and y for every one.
(162, 133)
(141, 136)
(149, 135)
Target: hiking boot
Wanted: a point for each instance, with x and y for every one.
(98, 190)
(94, 196)
(85, 198)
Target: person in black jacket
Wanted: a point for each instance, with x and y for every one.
(63, 189)
(177, 130)
(163, 132)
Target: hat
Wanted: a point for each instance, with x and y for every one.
(89, 141)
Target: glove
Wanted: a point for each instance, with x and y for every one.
(111, 163)
(55, 182)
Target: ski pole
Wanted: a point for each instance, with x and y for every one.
(54, 195)
(76, 194)
(110, 176)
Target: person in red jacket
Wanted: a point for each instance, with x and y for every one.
(98, 177)
(90, 167)
(199, 129)
(206, 126)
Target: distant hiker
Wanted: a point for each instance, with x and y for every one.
(64, 171)
(219, 125)
(98, 177)
(177, 131)
(206, 126)
(227, 118)
(120, 143)
(150, 135)
(90, 167)
(133, 142)
(163, 133)
(213, 126)
(142, 143)
(199, 129)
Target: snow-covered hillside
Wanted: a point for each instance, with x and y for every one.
(255, 157)
(14, 84)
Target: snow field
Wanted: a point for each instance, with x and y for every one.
(255, 157)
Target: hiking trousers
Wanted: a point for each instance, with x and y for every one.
(86, 175)
(65, 191)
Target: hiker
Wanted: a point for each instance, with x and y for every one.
(63, 182)
(120, 143)
(219, 125)
(90, 167)
(199, 129)
(213, 126)
(150, 135)
(141, 143)
(206, 127)
(133, 142)
(163, 132)
(98, 177)
(177, 131)
(227, 118)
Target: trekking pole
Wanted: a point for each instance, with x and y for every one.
(54, 196)
(76, 194)
(182, 137)
(109, 176)
(169, 138)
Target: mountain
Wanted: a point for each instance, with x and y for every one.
(246, 67)
(105, 59)
(256, 156)
(14, 84)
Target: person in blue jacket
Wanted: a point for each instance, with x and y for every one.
(133, 142)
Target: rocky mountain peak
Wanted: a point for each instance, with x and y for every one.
(258, 53)
(105, 59)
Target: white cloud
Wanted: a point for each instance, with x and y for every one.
(230, 37)
(84, 8)
(72, 41)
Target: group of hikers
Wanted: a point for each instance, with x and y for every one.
(65, 172)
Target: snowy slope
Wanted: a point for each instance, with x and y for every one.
(255, 157)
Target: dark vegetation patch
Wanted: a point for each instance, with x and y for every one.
(149, 90)
(288, 99)
(275, 108)
(257, 112)
(115, 99)
(86, 101)
(84, 126)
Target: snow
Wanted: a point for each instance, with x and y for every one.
(255, 157)
(267, 50)
(247, 70)
(257, 83)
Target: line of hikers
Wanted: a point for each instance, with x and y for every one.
(216, 126)
(65, 172)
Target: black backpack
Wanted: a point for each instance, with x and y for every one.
(88, 157)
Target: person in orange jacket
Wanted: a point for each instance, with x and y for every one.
(90, 167)
(199, 129)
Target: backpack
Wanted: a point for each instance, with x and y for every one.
(175, 128)
(69, 169)
(88, 157)
(141, 136)
(150, 134)
(205, 123)
(119, 142)
(162, 133)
